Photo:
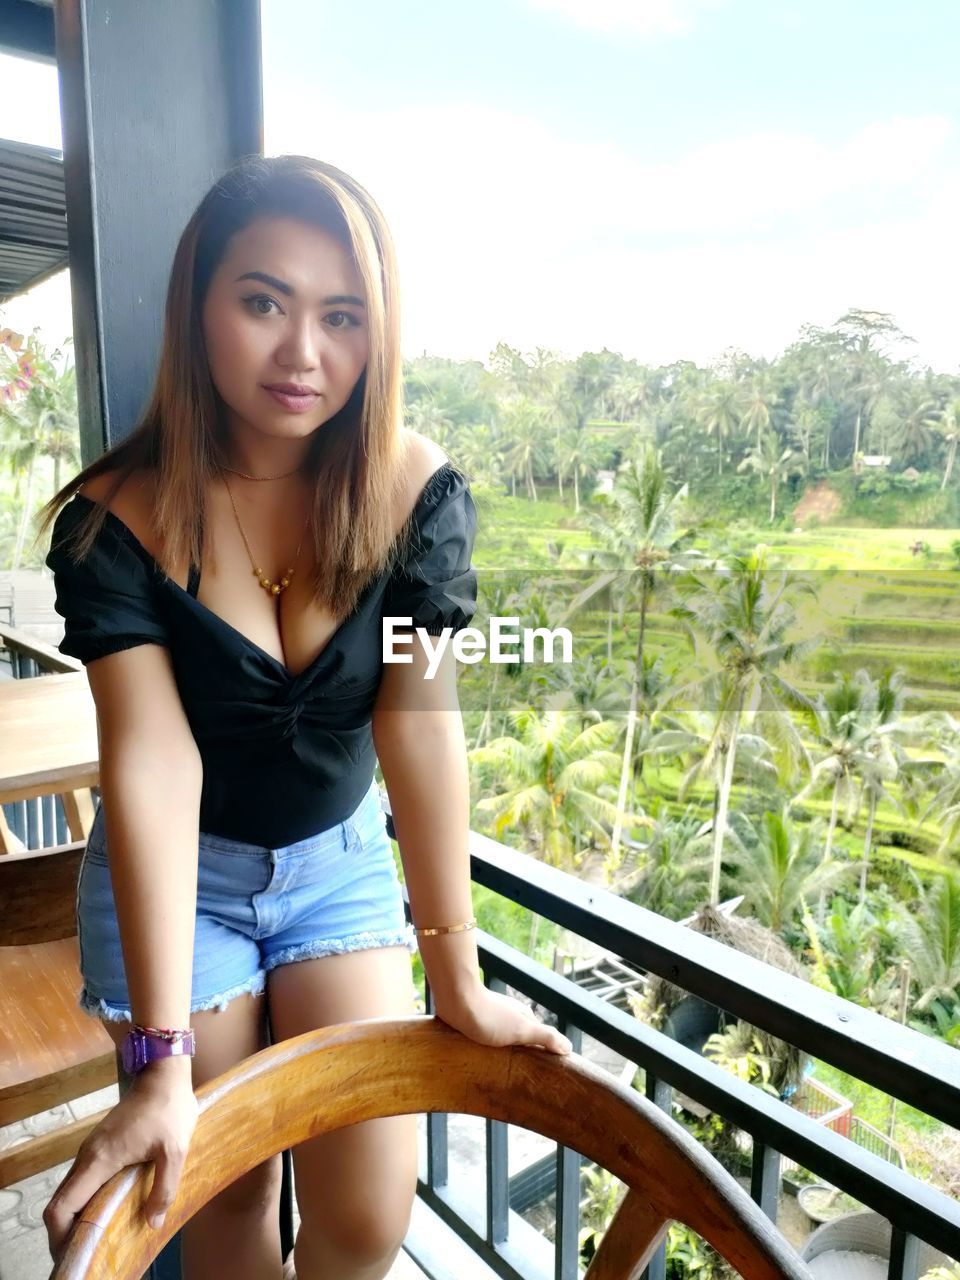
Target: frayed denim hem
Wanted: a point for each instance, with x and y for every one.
(340, 946)
(98, 1008)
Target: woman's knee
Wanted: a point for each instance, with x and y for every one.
(358, 1198)
(365, 1231)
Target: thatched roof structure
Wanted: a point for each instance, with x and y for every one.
(751, 938)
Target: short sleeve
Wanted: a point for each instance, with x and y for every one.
(435, 583)
(108, 600)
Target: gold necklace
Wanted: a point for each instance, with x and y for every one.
(272, 588)
(243, 475)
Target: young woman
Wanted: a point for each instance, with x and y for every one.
(224, 573)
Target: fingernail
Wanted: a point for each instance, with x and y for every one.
(156, 1220)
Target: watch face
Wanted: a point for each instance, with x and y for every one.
(128, 1053)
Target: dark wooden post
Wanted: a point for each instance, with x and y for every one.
(157, 99)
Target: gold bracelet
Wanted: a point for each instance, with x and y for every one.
(446, 928)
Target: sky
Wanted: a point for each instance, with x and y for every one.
(666, 178)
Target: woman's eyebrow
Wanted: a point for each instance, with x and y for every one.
(282, 287)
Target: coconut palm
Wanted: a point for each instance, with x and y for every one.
(777, 864)
(38, 420)
(861, 335)
(580, 454)
(947, 427)
(846, 716)
(553, 775)
(701, 751)
(642, 533)
(477, 450)
(590, 685)
(526, 444)
(759, 398)
(852, 952)
(719, 411)
(885, 761)
(675, 864)
(774, 463)
(932, 941)
(428, 418)
(944, 804)
(745, 616)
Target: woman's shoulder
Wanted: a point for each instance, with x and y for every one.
(421, 459)
(132, 503)
(426, 471)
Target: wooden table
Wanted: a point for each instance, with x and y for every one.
(48, 746)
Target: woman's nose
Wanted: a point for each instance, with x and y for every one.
(301, 347)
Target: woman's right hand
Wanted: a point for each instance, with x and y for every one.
(154, 1121)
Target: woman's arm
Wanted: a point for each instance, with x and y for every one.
(419, 739)
(150, 777)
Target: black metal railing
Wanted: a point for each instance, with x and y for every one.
(917, 1069)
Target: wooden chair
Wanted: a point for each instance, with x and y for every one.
(356, 1071)
(50, 1051)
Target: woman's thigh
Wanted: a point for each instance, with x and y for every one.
(357, 1183)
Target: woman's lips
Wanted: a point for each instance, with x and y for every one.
(293, 402)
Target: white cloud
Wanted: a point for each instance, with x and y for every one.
(32, 101)
(507, 231)
(641, 17)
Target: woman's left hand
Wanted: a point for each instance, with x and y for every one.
(489, 1017)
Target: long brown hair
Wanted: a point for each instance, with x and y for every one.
(354, 458)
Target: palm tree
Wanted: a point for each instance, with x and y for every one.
(477, 451)
(526, 444)
(932, 941)
(772, 462)
(944, 804)
(947, 427)
(870, 371)
(590, 685)
(779, 865)
(641, 534)
(846, 716)
(554, 774)
(760, 397)
(40, 422)
(745, 616)
(884, 760)
(675, 864)
(719, 412)
(429, 420)
(916, 432)
(581, 455)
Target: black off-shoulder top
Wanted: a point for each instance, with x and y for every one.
(284, 756)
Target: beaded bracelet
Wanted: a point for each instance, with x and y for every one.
(446, 928)
(161, 1033)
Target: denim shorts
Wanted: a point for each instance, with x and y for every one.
(256, 908)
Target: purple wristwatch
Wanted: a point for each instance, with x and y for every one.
(139, 1048)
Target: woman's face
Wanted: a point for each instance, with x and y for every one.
(285, 328)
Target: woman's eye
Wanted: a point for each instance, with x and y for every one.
(256, 303)
(350, 320)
